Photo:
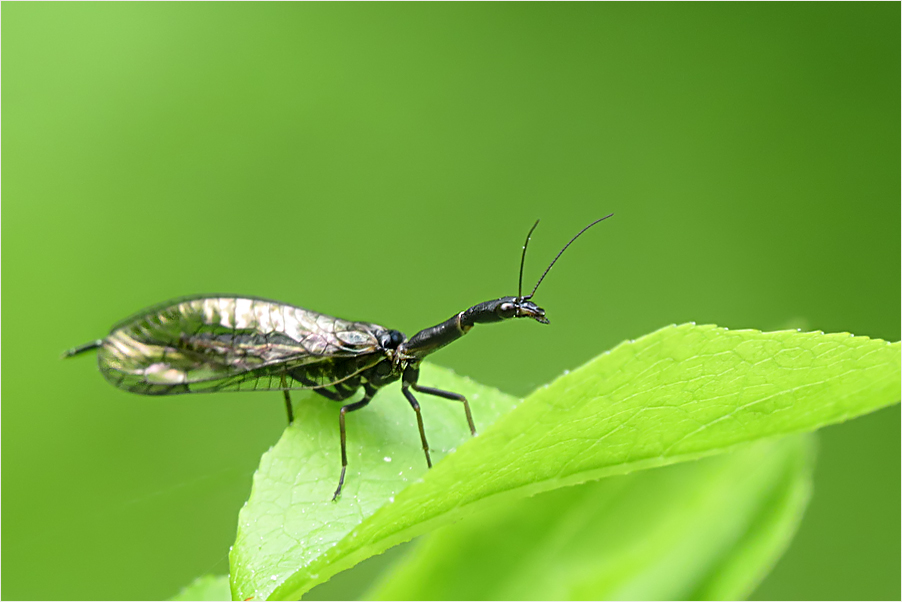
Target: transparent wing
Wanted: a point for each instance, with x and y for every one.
(221, 343)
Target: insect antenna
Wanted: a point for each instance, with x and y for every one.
(523, 260)
(578, 234)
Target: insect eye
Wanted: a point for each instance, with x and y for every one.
(507, 310)
(392, 339)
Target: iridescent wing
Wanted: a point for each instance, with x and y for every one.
(221, 343)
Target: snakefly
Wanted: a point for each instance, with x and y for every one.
(209, 343)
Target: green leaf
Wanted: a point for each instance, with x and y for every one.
(708, 529)
(680, 393)
(289, 521)
(209, 587)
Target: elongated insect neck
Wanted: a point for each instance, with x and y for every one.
(430, 340)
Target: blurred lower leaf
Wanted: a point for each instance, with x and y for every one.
(213, 588)
(709, 529)
(677, 394)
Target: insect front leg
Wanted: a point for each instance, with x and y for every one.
(451, 396)
(411, 375)
(416, 408)
(351, 407)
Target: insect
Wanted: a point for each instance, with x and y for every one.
(210, 343)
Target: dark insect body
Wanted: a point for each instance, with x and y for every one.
(213, 343)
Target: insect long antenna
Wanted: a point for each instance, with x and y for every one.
(523, 259)
(553, 261)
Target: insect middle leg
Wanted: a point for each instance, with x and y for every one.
(340, 393)
(351, 407)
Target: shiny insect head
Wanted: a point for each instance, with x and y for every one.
(209, 343)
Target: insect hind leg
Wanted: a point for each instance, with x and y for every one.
(288, 407)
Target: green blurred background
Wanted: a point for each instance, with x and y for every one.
(383, 162)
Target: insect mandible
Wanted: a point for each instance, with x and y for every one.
(210, 343)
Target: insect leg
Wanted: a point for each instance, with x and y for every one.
(288, 406)
(416, 408)
(287, 400)
(367, 396)
(331, 395)
(452, 396)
